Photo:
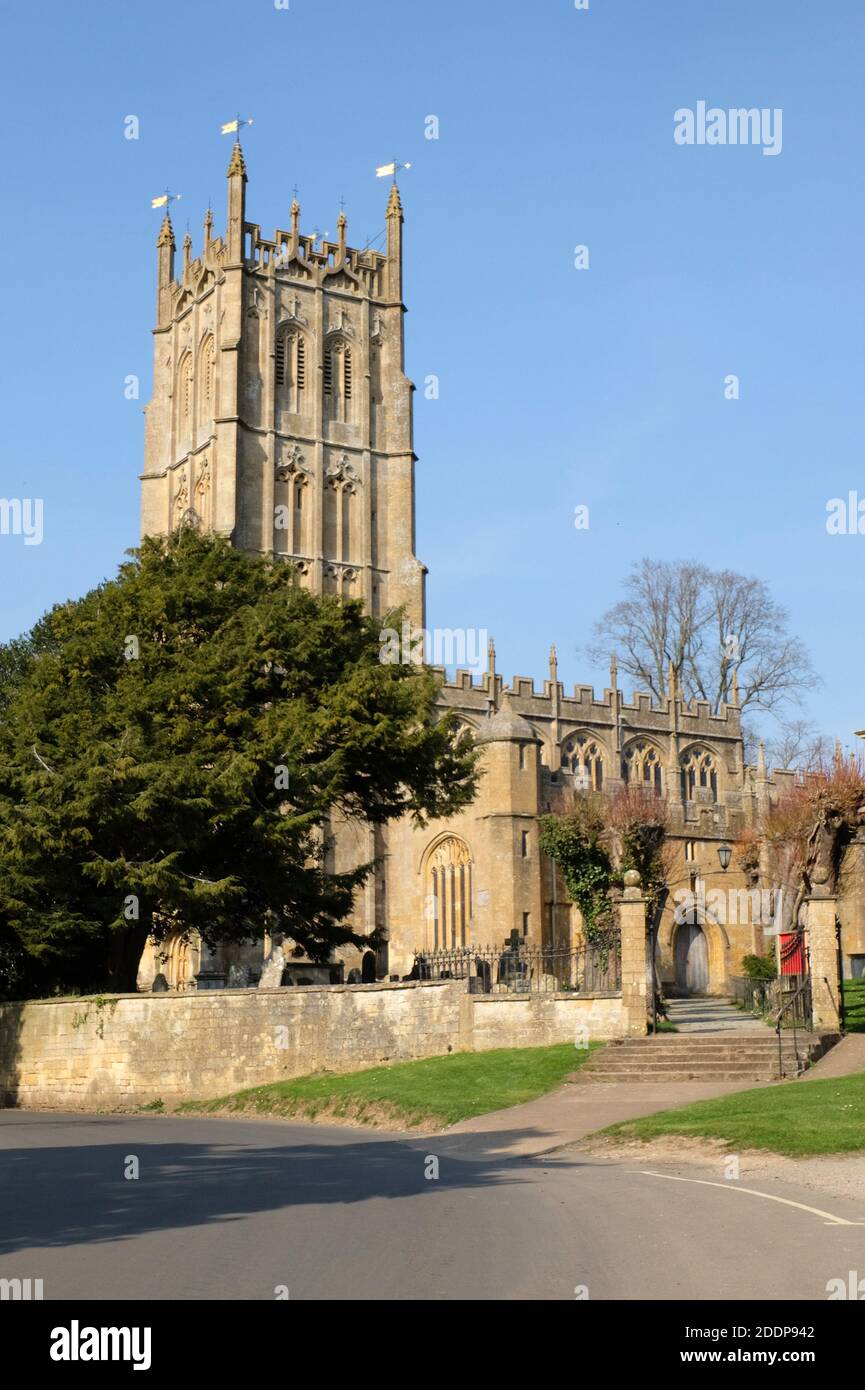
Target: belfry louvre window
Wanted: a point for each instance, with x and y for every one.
(290, 370)
(347, 373)
(328, 373)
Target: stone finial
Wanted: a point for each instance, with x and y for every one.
(237, 166)
(735, 691)
(208, 227)
(614, 672)
(491, 657)
(554, 666)
(340, 233)
(394, 206)
(632, 878)
(761, 759)
(166, 233)
(187, 252)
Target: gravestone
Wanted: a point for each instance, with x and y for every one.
(271, 974)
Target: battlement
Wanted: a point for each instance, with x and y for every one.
(584, 706)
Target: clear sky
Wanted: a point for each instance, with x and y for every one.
(558, 387)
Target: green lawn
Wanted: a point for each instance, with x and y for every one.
(854, 1006)
(797, 1117)
(435, 1092)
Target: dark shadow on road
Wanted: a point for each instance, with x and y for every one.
(56, 1193)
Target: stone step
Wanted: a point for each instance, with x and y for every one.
(698, 1068)
(649, 1045)
(641, 1077)
(648, 1054)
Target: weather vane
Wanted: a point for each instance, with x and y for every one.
(233, 127)
(393, 168)
(164, 199)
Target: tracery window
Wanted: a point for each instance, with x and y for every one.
(641, 766)
(449, 894)
(584, 757)
(699, 776)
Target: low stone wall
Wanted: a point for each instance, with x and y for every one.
(126, 1050)
(536, 1020)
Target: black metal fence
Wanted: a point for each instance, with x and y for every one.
(788, 996)
(595, 969)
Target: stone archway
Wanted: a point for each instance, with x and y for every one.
(694, 955)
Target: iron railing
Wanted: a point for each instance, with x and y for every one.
(796, 1008)
(787, 997)
(595, 969)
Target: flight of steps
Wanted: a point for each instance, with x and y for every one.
(697, 1057)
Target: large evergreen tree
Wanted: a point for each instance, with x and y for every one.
(172, 747)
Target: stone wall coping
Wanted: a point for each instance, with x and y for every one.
(568, 994)
(289, 990)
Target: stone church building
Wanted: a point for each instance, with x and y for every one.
(281, 417)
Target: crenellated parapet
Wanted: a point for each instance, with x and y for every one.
(604, 742)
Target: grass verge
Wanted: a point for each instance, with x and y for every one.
(854, 1006)
(795, 1118)
(430, 1094)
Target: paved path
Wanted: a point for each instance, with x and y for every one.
(571, 1112)
(231, 1209)
(846, 1057)
(712, 1016)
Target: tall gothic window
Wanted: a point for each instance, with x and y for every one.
(641, 766)
(449, 894)
(584, 757)
(699, 776)
(206, 376)
(184, 395)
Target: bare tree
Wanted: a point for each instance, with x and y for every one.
(799, 744)
(709, 626)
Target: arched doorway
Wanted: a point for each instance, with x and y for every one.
(692, 960)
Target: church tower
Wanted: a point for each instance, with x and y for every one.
(281, 415)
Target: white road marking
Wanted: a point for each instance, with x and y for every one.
(752, 1192)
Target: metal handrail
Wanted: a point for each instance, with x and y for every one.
(788, 1003)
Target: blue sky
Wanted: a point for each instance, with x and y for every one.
(558, 387)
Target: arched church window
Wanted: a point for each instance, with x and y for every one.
(641, 766)
(699, 776)
(583, 756)
(448, 877)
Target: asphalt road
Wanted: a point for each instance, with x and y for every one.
(233, 1209)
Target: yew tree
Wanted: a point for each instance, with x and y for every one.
(174, 747)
